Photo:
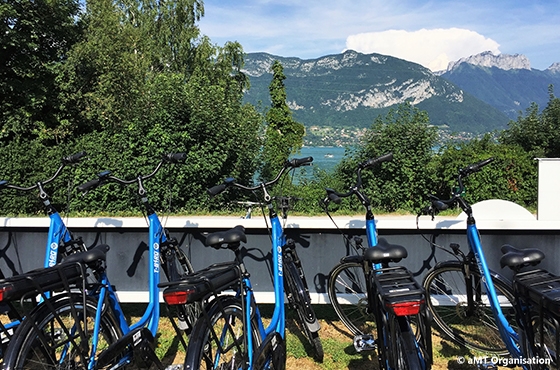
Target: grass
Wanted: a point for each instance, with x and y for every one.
(337, 344)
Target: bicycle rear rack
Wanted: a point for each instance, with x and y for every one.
(400, 292)
(202, 284)
(60, 281)
(542, 287)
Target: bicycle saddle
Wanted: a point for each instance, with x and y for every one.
(385, 252)
(517, 258)
(99, 252)
(231, 238)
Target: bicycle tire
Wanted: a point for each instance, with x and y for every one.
(547, 326)
(404, 352)
(479, 331)
(28, 351)
(348, 295)
(298, 297)
(202, 350)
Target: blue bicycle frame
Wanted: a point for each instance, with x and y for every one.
(507, 333)
(157, 237)
(57, 233)
(509, 336)
(150, 319)
(277, 323)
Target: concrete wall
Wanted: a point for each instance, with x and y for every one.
(319, 242)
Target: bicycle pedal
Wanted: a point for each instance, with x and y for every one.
(364, 343)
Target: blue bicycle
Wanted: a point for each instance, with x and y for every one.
(60, 243)
(90, 331)
(369, 296)
(478, 308)
(230, 332)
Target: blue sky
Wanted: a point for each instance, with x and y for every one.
(431, 33)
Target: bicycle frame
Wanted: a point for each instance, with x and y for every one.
(277, 323)
(507, 333)
(150, 318)
(509, 336)
(58, 233)
(278, 240)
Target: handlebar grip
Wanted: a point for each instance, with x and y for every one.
(215, 190)
(297, 162)
(175, 157)
(475, 167)
(334, 198)
(439, 205)
(3, 184)
(89, 185)
(74, 158)
(372, 162)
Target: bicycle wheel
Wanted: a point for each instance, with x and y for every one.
(348, 295)
(218, 340)
(298, 297)
(545, 330)
(404, 352)
(476, 327)
(60, 338)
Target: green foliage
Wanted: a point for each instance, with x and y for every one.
(404, 131)
(129, 98)
(537, 133)
(130, 80)
(35, 39)
(284, 136)
(512, 176)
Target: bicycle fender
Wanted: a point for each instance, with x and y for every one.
(314, 326)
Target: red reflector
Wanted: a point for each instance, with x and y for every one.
(178, 297)
(3, 292)
(405, 308)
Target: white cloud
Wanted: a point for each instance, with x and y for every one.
(433, 48)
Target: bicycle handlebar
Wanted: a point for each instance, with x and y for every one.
(437, 205)
(372, 162)
(175, 157)
(473, 168)
(298, 162)
(74, 158)
(334, 196)
(71, 159)
(230, 181)
(106, 176)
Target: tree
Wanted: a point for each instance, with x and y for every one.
(537, 132)
(511, 176)
(400, 184)
(284, 136)
(128, 98)
(35, 39)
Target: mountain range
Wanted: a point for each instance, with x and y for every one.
(349, 90)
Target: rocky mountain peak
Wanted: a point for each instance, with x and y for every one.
(488, 59)
(555, 68)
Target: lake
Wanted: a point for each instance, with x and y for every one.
(324, 157)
